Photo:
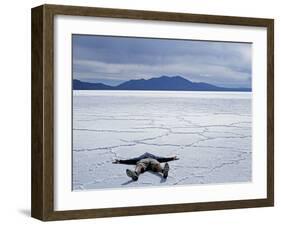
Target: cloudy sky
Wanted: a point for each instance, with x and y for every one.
(112, 60)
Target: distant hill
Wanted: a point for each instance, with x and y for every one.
(79, 85)
(174, 83)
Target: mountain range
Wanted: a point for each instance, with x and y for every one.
(172, 83)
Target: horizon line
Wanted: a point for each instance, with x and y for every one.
(114, 86)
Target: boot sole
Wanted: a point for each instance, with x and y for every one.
(132, 174)
(166, 170)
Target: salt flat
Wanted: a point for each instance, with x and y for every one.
(209, 131)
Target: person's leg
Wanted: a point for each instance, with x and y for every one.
(140, 168)
(156, 167)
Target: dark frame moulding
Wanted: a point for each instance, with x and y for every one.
(42, 203)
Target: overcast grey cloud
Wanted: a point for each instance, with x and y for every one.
(112, 60)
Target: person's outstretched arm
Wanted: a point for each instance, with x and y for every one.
(167, 159)
(126, 161)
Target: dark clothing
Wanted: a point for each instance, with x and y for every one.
(146, 155)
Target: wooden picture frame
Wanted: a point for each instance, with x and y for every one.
(43, 112)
